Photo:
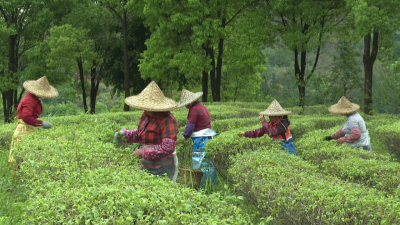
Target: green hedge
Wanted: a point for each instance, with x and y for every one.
(6, 132)
(390, 137)
(75, 174)
(227, 143)
(220, 126)
(355, 165)
(285, 187)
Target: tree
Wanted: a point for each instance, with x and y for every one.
(117, 7)
(303, 26)
(387, 87)
(112, 67)
(188, 40)
(345, 71)
(375, 22)
(88, 15)
(29, 22)
(71, 46)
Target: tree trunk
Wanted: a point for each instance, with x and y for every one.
(369, 58)
(94, 87)
(20, 95)
(80, 66)
(299, 71)
(126, 60)
(8, 97)
(205, 74)
(205, 86)
(219, 69)
(212, 74)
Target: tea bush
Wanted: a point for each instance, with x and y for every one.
(355, 165)
(228, 144)
(75, 174)
(220, 126)
(285, 187)
(259, 106)
(6, 132)
(390, 137)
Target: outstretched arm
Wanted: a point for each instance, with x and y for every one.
(131, 136)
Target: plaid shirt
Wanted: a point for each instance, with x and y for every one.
(200, 116)
(161, 133)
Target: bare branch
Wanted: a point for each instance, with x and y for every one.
(116, 13)
(4, 14)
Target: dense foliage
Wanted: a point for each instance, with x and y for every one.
(302, 52)
(74, 173)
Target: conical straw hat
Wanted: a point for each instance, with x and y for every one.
(344, 107)
(41, 88)
(151, 99)
(275, 109)
(188, 97)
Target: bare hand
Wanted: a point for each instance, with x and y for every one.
(138, 152)
(261, 118)
(340, 141)
(241, 134)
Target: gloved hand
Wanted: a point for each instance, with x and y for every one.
(328, 138)
(241, 134)
(118, 136)
(46, 125)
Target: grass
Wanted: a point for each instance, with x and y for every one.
(12, 193)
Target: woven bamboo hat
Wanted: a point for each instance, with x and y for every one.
(151, 99)
(41, 88)
(275, 109)
(188, 97)
(344, 107)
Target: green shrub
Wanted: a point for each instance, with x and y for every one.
(284, 186)
(355, 165)
(390, 137)
(220, 126)
(227, 144)
(75, 174)
(6, 132)
(101, 108)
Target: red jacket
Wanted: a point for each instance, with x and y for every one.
(29, 110)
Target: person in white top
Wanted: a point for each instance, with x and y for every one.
(354, 131)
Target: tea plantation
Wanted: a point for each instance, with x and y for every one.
(74, 173)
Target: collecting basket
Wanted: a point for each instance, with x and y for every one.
(190, 178)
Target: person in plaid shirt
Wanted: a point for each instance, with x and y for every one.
(199, 129)
(157, 132)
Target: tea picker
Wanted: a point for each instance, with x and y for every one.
(354, 131)
(28, 112)
(277, 128)
(199, 129)
(156, 132)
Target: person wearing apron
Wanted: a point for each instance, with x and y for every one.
(354, 131)
(157, 132)
(199, 129)
(277, 128)
(28, 112)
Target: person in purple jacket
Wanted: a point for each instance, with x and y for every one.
(199, 129)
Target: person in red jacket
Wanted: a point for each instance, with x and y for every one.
(28, 112)
(277, 128)
(157, 132)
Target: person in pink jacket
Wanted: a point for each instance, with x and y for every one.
(277, 128)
